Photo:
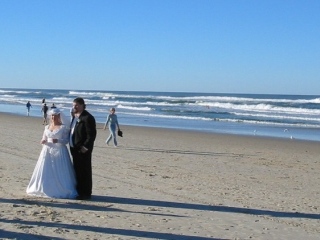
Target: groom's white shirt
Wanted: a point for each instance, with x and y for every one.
(73, 124)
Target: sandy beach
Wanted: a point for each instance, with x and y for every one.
(167, 184)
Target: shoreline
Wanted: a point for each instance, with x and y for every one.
(186, 130)
(167, 184)
(244, 114)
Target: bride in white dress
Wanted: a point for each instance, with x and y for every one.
(54, 175)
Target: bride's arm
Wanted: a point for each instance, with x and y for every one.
(65, 136)
(44, 137)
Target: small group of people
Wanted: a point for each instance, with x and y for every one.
(44, 111)
(55, 175)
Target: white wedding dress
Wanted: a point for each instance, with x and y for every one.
(54, 175)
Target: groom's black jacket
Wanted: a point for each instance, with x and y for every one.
(85, 131)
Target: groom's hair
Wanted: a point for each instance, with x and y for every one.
(80, 101)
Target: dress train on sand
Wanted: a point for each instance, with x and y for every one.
(54, 175)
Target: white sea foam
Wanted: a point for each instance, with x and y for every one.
(167, 116)
(211, 99)
(261, 107)
(107, 95)
(7, 96)
(199, 99)
(12, 91)
(134, 108)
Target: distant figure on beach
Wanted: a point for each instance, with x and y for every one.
(53, 106)
(44, 111)
(28, 105)
(54, 175)
(43, 101)
(82, 136)
(112, 121)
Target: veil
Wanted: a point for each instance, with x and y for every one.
(65, 120)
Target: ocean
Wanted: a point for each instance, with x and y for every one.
(282, 116)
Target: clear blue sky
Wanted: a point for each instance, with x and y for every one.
(216, 46)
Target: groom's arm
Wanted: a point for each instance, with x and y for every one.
(91, 132)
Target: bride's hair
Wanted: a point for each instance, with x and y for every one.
(63, 119)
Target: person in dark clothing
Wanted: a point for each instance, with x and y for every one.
(53, 106)
(44, 111)
(28, 105)
(82, 136)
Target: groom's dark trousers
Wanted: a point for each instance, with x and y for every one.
(83, 169)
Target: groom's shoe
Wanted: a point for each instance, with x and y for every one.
(83, 197)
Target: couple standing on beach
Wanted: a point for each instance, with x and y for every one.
(54, 176)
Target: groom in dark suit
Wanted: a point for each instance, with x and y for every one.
(82, 136)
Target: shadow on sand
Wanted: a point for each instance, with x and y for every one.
(91, 205)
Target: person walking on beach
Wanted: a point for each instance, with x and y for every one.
(44, 111)
(53, 175)
(82, 136)
(112, 120)
(28, 105)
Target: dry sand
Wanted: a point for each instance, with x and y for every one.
(167, 184)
